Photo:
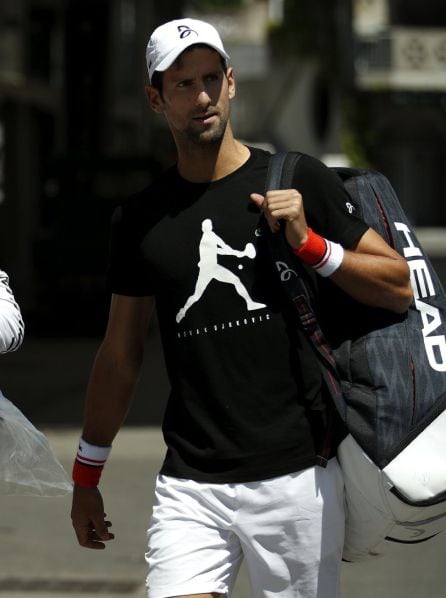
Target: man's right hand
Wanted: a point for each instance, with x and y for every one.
(88, 518)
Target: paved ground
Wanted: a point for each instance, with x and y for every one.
(39, 557)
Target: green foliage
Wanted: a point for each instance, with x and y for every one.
(357, 136)
(308, 29)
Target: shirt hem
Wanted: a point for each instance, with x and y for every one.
(241, 476)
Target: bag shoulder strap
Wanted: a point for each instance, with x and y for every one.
(281, 173)
(281, 169)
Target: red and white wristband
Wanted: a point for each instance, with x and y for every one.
(89, 463)
(321, 254)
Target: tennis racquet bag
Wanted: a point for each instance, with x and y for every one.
(386, 374)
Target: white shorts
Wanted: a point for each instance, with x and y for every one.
(289, 530)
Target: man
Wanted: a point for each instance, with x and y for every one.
(250, 469)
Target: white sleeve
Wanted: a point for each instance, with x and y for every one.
(11, 323)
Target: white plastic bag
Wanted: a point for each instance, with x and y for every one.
(28, 464)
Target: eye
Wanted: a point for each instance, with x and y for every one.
(184, 83)
(212, 77)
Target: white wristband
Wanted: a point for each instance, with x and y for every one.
(90, 454)
(331, 260)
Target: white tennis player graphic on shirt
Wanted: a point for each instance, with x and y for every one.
(211, 246)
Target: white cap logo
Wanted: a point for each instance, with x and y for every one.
(185, 31)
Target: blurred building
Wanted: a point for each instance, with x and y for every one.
(75, 137)
(400, 73)
(399, 49)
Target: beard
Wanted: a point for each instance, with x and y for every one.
(210, 135)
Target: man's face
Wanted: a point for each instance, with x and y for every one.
(196, 96)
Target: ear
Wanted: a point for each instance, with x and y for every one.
(154, 99)
(231, 82)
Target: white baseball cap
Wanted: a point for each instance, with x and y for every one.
(169, 40)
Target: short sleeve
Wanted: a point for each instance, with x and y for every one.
(326, 203)
(128, 272)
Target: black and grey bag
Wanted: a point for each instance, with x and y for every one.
(387, 376)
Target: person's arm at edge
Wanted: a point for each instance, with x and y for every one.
(111, 384)
(11, 321)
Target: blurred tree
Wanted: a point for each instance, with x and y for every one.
(209, 5)
(308, 29)
(167, 10)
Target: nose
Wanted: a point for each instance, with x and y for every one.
(203, 97)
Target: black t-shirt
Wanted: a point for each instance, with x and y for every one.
(244, 380)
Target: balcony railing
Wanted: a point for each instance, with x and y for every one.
(403, 58)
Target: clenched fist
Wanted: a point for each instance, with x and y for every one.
(286, 205)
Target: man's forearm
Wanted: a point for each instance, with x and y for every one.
(110, 390)
(377, 281)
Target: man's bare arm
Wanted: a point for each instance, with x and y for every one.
(375, 274)
(112, 381)
(116, 368)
